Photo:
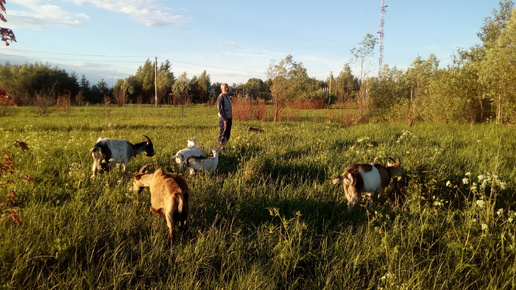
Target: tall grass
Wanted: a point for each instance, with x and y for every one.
(270, 217)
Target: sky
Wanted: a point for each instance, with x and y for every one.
(234, 41)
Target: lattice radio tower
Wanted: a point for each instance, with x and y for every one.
(380, 57)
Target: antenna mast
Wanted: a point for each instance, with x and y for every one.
(380, 58)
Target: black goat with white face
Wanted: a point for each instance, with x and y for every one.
(108, 152)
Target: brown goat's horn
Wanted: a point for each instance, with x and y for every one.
(148, 139)
(144, 167)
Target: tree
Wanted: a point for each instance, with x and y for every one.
(364, 52)
(199, 88)
(7, 34)
(498, 72)
(165, 81)
(288, 82)
(120, 93)
(418, 79)
(361, 54)
(345, 84)
(100, 91)
(494, 25)
(180, 91)
(387, 91)
(256, 88)
(85, 88)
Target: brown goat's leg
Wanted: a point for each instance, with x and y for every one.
(169, 216)
(170, 224)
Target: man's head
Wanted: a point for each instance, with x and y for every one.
(224, 88)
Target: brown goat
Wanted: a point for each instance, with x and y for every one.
(169, 196)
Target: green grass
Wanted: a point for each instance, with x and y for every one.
(270, 218)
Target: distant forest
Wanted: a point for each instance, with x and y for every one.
(478, 86)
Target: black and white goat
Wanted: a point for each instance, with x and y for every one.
(108, 152)
(359, 178)
(189, 151)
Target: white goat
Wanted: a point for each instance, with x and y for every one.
(359, 178)
(169, 196)
(191, 150)
(208, 164)
(108, 152)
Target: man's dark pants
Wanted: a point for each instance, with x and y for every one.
(225, 130)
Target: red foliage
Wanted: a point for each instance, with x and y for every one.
(7, 34)
(5, 98)
(7, 205)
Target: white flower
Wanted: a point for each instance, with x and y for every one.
(468, 174)
(448, 184)
(465, 180)
(500, 211)
(484, 227)
(480, 203)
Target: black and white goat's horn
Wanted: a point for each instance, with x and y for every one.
(143, 169)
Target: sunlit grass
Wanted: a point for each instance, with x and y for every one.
(270, 217)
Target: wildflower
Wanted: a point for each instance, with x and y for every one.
(387, 276)
(499, 212)
(468, 174)
(449, 184)
(484, 227)
(480, 203)
(465, 180)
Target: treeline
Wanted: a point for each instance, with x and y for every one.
(479, 85)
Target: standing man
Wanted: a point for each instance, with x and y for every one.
(225, 114)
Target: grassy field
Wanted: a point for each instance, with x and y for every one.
(270, 218)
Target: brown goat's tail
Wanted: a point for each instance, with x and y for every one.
(179, 202)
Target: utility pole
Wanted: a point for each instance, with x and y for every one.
(380, 58)
(329, 89)
(156, 81)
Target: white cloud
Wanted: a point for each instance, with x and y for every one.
(229, 44)
(147, 12)
(42, 14)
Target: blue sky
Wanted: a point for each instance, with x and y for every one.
(234, 40)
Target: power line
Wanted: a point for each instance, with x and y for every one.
(187, 65)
